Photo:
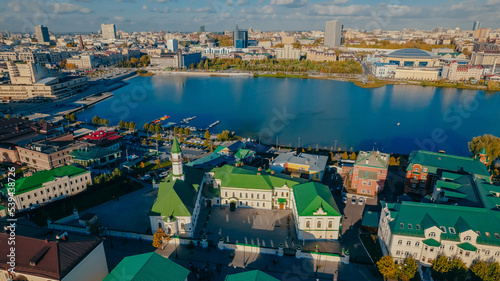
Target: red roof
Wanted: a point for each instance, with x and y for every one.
(102, 135)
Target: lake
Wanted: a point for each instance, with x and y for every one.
(324, 113)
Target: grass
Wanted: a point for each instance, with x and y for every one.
(95, 196)
(371, 84)
(372, 246)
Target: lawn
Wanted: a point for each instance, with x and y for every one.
(82, 201)
(371, 244)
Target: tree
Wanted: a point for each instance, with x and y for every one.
(151, 128)
(134, 61)
(485, 271)
(392, 161)
(121, 124)
(387, 267)
(145, 60)
(131, 125)
(146, 127)
(490, 142)
(96, 120)
(105, 122)
(440, 268)
(73, 117)
(187, 131)
(158, 128)
(493, 86)
(158, 237)
(144, 142)
(176, 130)
(344, 156)
(408, 270)
(444, 269)
(207, 134)
(353, 156)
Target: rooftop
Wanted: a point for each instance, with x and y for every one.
(316, 163)
(411, 53)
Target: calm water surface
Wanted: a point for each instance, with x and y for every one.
(319, 112)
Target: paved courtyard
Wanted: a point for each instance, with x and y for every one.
(129, 212)
(264, 228)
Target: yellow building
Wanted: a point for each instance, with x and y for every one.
(302, 165)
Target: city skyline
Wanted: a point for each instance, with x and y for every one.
(217, 15)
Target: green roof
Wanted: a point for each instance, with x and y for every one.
(92, 153)
(254, 275)
(282, 200)
(434, 161)
(311, 196)
(243, 153)
(458, 218)
(372, 159)
(453, 194)
(175, 198)
(145, 267)
(431, 242)
(447, 184)
(38, 179)
(247, 177)
(370, 219)
(451, 176)
(467, 246)
(175, 146)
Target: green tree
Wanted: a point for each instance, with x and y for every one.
(490, 142)
(146, 127)
(408, 269)
(176, 130)
(444, 269)
(440, 268)
(387, 267)
(134, 61)
(121, 124)
(207, 134)
(151, 128)
(187, 131)
(73, 117)
(105, 122)
(485, 271)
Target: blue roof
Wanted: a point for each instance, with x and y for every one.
(411, 53)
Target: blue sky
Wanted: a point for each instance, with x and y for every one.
(217, 15)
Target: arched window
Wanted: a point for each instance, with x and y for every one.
(169, 230)
(246, 195)
(251, 195)
(432, 234)
(240, 195)
(233, 194)
(263, 196)
(308, 224)
(182, 225)
(159, 224)
(467, 238)
(225, 194)
(258, 196)
(319, 224)
(330, 224)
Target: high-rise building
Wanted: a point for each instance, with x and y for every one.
(42, 34)
(477, 25)
(173, 45)
(108, 31)
(202, 28)
(240, 38)
(333, 33)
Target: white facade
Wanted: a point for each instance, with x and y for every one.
(384, 70)
(173, 45)
(53, 190)
(333, 33)
(288, 52)
(108, 31)
(177, 170)
(455, 72)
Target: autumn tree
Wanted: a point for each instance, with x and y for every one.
(408, 269)
(490, 142)
(353, 156)
(387, 267)
(131, 125)
(485, 271)
(158, 128)
(444, 269)
(145, 60)
(134, 61)
(493, 86)
(344, 155)
(158, 237)
(207, 134)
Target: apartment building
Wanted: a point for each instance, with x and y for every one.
(456, 72)
(369, 172)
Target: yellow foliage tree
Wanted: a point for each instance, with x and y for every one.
(344, 156)
(158, 236)
(353, 156)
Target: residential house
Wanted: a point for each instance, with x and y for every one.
(369, 172)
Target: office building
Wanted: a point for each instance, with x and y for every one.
(477, 25)
(42, 34)
(202, 29)
(108, 31)
(175, 60)
(32, 81)
(481, 33)
(172, 45)
(83, 61)
(240, 38)
(485, 58)
(333, 33)
(288, 52)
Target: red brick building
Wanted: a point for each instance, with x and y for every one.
(369, 172)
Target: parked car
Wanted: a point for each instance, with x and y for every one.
(164, 174)
(361, 201)
(344, 199)
(146, 177)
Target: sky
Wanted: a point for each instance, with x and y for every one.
(63, 16)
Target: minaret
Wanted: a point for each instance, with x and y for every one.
(176, 159)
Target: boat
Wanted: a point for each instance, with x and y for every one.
(161, 119)
(187, 120)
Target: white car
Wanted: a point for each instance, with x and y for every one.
(361, 201)
(164, 174)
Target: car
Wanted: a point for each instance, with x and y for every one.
(163, 174)
(146, 177)
(361, 201)
(353, 200)
(344, 199)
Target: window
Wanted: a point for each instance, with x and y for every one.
(398, 253)
(441, 247)
(408, 243)
(263, 196)
(417, 169)
(368, 191)
(452, 230)
(415, 178)
(400, 242)
(487, 252)
(330, 224)
(478, 233)
(467, 238)
(497, 254)
(308, 224)
(426, 248)
(258, 195)
(22, 199)
(318, 224)
(417, 244)
(233, 194)
(461, 252)
(257, 204)
(410, 226)
(443, 229)
(402, 225)
(467, 254)
(34, 193)
(246, 195)
(363, 190)
(369, 183)
(487, 234)
(251, 195)
(28, 196)
(418, 226)
(432, 234)
(425, 170)
(241, 194)
(263, 204)
(452, 248)
(225, 194)
(241, 203)
(413, 185)
(432, 249)
(497, 236)
(363, 183)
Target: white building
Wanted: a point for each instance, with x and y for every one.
(288, 52)
(425, 231)
(456, 72)
(108, 31)
(46, 186)
(384, 70)
(173, 45)
(333, 33)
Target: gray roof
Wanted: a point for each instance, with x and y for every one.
(411, 53)
(315, 162)
(373, 159)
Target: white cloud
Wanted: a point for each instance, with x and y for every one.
(289, 3)
(242, 2)
(67, 8)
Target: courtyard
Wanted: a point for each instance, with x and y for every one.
(263, 228)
